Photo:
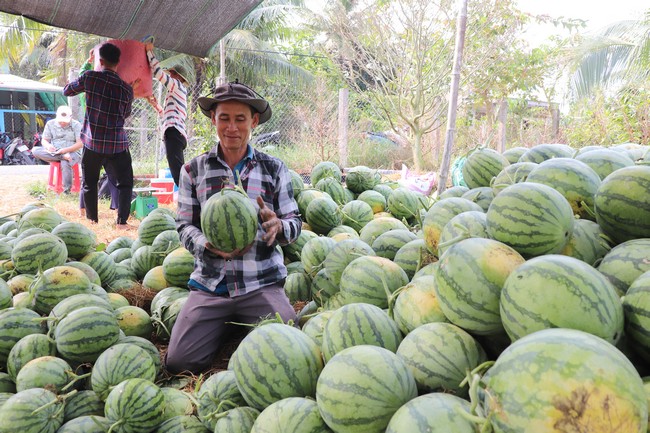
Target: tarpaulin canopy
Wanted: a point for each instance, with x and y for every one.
(185, 26)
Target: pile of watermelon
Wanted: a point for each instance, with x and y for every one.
(517, 302)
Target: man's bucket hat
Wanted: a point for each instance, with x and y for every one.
(236, 92)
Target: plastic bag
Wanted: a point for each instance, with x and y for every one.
(422, 183)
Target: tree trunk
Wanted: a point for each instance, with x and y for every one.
(417, 151)
(453, 97)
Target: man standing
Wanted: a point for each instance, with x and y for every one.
(61, 142)
(244, 285)
(108, 104)
(174, 112)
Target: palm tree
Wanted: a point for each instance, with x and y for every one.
(616, 58)
(24, 45)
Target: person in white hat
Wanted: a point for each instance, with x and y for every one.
(61, 142)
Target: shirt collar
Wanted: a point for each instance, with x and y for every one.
(215, 153)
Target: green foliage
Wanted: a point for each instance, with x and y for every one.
(36, 189)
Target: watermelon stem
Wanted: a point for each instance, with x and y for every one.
(57, 400)
(75, 378)
(588, 210)
(116, 424)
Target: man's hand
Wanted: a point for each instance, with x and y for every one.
(135, 84)
(228, 256)
(148, 46)
(91, 56)
(270, 223)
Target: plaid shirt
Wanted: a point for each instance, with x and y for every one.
(108, 103)
(175, 110)
(263, 175)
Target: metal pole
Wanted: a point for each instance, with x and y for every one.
(453, 96)
(222, 63)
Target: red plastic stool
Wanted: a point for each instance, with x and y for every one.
(55, 180)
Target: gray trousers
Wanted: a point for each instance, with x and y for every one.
(201, 326)
(66, 166)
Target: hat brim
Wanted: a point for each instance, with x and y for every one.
(206, 104)
(66, 119)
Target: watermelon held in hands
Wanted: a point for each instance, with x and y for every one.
(229, 220)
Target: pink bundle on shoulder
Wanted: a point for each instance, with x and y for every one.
(133, 65)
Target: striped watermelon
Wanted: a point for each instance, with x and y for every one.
(356, 324)
(377, 226)
(7, 385)
(587, 242)
(341, 254)
(282, 352)
(469, 280)
(121, 254)
(38, 253)
(361, 388)
(184, 424)
(325, 169)
(117, 243)
(120, 362)
(92, 274)
(371, 280)
(27, 233)
(417, 304)
(481, 195)
(177, 403)
(575, 180)
(315, 326)
(625, 263)
(218, 394)
(454, 191)
(56, 284)
(83, 334)
(164, 324)
(7, 226)
(323, 286)
(5, 250)
(636, 305)
(306, 197)
(361, 178)
(557, 291)
(6, 297)
(294, 414)
(72, 303)
(229, 220)
(384, 189)
(117, 300)
(622, 204)
(292, 250)
(154, 224)
(532, 218)
(412, 256)
(439, 356)
(144, 259)
(20, 283)
(542, 152)
(26, 349)
(343, 230)
(33, 410)
(165, 296)
(16, 323)
(137, 243)
(439, 215)
(45, 218)
(135, 405)
(605, 161)
(86, 424)
(405, 204)
(44, 372)
(432, 413)
(387, 244)
(470, 224)
(79, 239)
(334, 188)
(83, 403)
(298, 287)
(103, 264)
(166, 241)
(356, 214)
(514, 153)
(177, 267)
(145, 344)
(514, 173)
(323, 215)
(314, 252)
(564, 378)
(481, 166)
(296, 183)
(374, 199)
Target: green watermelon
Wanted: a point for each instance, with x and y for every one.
(39, 252)
(371, 280)
(625, 263)
(387, 244)
(605, 161)
(315, 326)
(83, 403)
(102, 263)
(44, 218)
(374, 199)
(79, 239)
(412, 256)
(323, 215)
(514, 153)
(16, 323)
(481, 166)
(177, 267)
(469, 280)
(542, 152)
(121, 254)
(334, 188)
(29, 347)
(323, 286)
(298, 287)
(470, 224)
(183, 424)
(83, 334)
(292, 251)
(134, 320)
(454, 191)
(282, 352)
(481, 195)
(135, 405)
(86, 424)
(636, 305)
(120, 362)
(144, 259)
(72, 303)
(514, 173)
(44, 372)
(587, 242)
(532, 218)
(297, 184)
(117, 243)
(405, 204)
(361, 388)
(356, 324)
(166, 242)
(154, 224)
(218, 394)
(33, 410)
(377, 226)
(314, 252)
(155, 280)
(554, 291)
(342, 253)
(229, 220)
(356, 214)
(622, 204)
(325, 169)
(56, 284)
(417, 304)
(361, 178)
(432, 413)
(564, 379)
(294, 414)
(440, 214)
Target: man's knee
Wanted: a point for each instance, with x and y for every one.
(178, 360)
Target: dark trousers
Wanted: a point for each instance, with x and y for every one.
(175, 143)
(120, 165)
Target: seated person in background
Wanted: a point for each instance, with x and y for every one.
(61, 142)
